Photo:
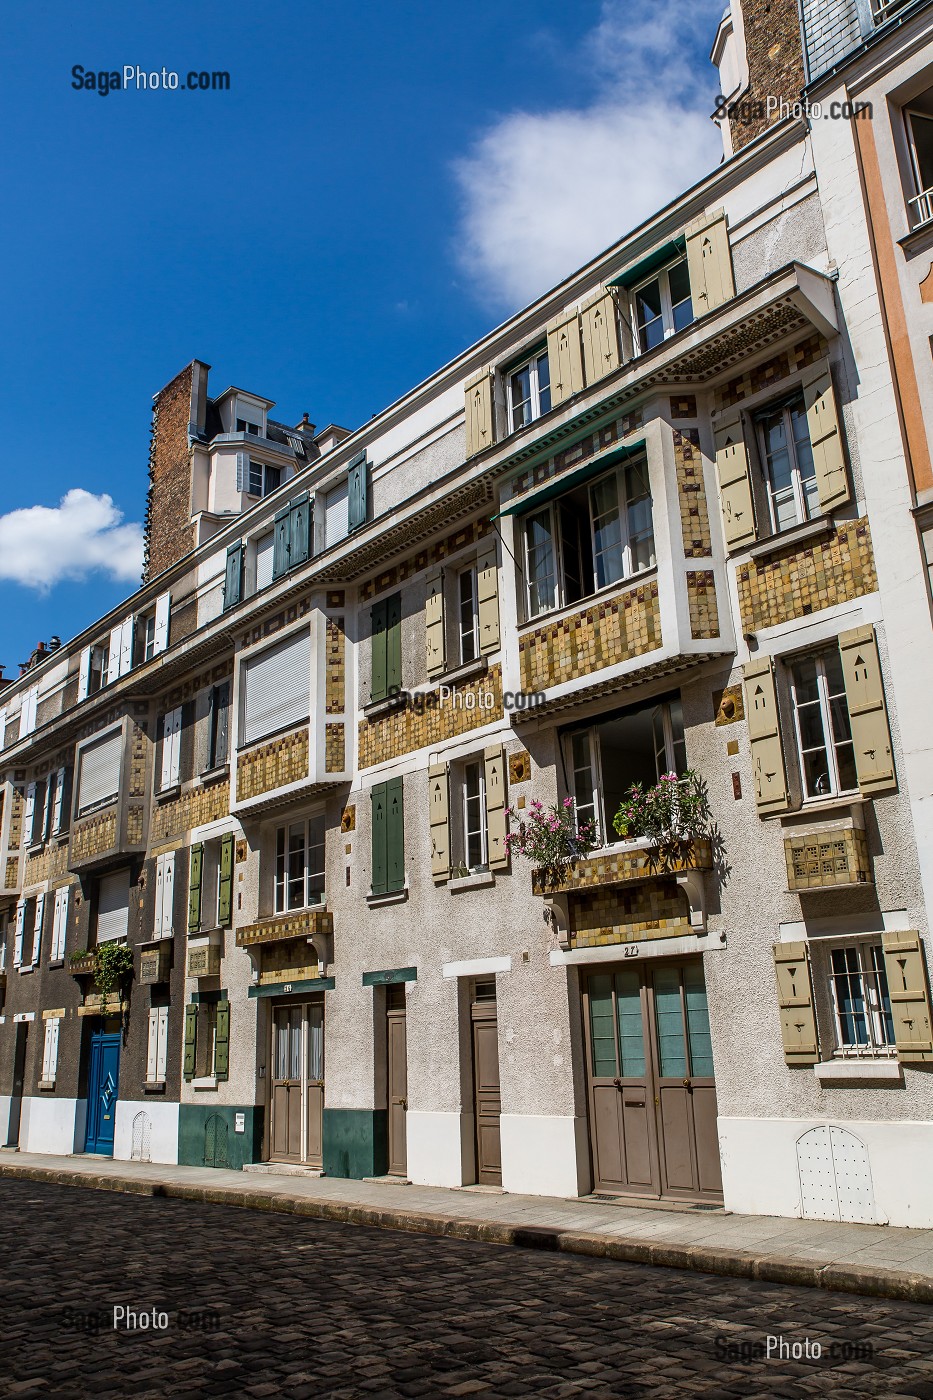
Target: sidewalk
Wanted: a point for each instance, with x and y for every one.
(881, 1261)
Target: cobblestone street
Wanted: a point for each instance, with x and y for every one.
(260, 1305)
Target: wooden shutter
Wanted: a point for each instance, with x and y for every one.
(225, 881)
(487, 599)
(764, 734)
(233, 575)
(29, 814)
(795, 999)
(494, 763)
(162, 611)
(277, 688)
(600, 326)
(709, 263)
(377, 690)
(299, 530)
(191, 1035)
(735, 487)
(152, 1048)
(868, 715)
(48, 802)
(394, 644)
(113, 655)
(28, 708)
(168, 895)
(479, 416)
(435, 640)
(195, 869)
(162, 1052)
(910, 995)
(565, 357)
(84, 674)
(439, 816)
(50, 1051)
(59, 923)
(222, 1041)
(357, 491)
(58, 811)
(126, 647)
(37, 928)
(280, 548)
(171, 748)
(379, 839)
(19, 934)
(832, 479)
(395, 835)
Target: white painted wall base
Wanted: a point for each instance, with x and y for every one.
(4, 1118)
(163, 1130)
(544, 1155)
(48, 1125)
(440, 1148)
(760, 1176)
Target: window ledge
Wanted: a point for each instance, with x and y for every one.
(884, 1067)
(169, 793)
(376, 708)
(917, 238)
(602, 595)
(206, 1082)
(27, 967)
(154, 1086)
(46, 1084)
(56, 962)
(392, 897)
(477, 881)
(214, 775)
(799, 534)
(464, 672)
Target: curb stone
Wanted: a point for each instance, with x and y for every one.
(897, 1284)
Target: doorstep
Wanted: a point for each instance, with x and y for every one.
(605, 1198)
(282, 1169)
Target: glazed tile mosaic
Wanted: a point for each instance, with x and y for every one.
(402, 731)
(820, 860)
(694, 513)
(629, 865)
(591, 639)
(426, 558)
(658, 910)
(194, 808)
(93, 836)
(701, 600)
(804, 353)
(575, 454)
(807, 578)
(335, 663)
(335, 755)
(273, 765)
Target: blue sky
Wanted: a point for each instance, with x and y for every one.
(380, 186)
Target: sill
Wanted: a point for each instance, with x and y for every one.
(214, 775)
(784, 539)
(167, 794)
(207, 1081)
(600, 595)
(816, 805)
(375, 901)
(480, 879)
(376, 708)
(46, 1085)
(26, 967)
(884, 1067)
(917, 238)
(154, 1086)
(56, 962)
(465, 671)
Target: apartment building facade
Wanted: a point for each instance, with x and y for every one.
(661, 520)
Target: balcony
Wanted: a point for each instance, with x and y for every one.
(83, 965)
(630, 865)
(306, 923)
(921, 209)
(828, 858)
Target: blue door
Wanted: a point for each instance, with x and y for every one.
(102, 1079)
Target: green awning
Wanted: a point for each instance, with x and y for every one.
(284, 989)
(576, 476)
(673, 248)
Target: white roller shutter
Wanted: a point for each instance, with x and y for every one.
(264, 551)
(277, 688)
(336, 514)
(99, 778)
(113, 906)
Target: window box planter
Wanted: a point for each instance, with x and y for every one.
(633, 862)
(84, 965)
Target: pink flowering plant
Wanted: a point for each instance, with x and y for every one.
(670, 816)
(551, 837)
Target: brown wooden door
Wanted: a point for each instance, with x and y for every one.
(487, 1100)
(625, 1151)
(285, 1132)
(314, 1085)
(685, 1093)
(398, 1086)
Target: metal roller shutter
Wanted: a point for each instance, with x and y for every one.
(100, 771)
(277, 688)
(113, 906)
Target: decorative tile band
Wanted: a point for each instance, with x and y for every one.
(807, 578)
(335, 748)
(289, 926)
(604, 917)
(11, 876)
(805, 352)
(694, 514)
(591, 639)
(402, 731)
(701, 600)
(630, 864)
(273, 765)
(195, 808)
(820, 860)
(49, 864)
(93, 836)
(335, 664)
(425, 558)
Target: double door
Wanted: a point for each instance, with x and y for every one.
(652, 1094)
(297, 1110)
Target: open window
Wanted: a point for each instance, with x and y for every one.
(299, 864)
(918, 118)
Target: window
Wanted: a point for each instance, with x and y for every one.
(50, 1051)
(263, 479)
(207, 1039)
(210, 884)
(821, 721)
(99, 772)
(265, 547)
(299, 865)
(603, 760)
(475, 846)
(920, 138)
(277, 689)
(529, 391)
(662, 306)
(588, 539)
(388, 837)
(357, 491)
(243, 425)
(861, 1002)
(27, 939)
(113, 906)
(164, 896)
(218, 725)
(170, 773)
(233, 575)
(784, 440)
(31, 809)
(467, 615)
(386, 617)
(148, 631)
(157, 1052)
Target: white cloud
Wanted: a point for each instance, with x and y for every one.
(544, 191)
(41, 546)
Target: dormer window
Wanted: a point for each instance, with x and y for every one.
(244, 426)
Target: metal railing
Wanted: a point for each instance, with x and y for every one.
(921, 208)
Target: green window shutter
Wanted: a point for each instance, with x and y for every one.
(191, 1035)
(299, 549)
(233, 577)
(379, 839)
(357, 491)
(395, 835)
(194, 888)
(222, 1041)
(281, 541)
(225, 879)
(394, 644)
(378, 686)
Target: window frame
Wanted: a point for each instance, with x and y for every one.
(874, 1000)
(668, 306)
(471, 603)
(478, 800)
(824, 701)
(282, 877)
(536, 391)
(263, 468)
(804, 510)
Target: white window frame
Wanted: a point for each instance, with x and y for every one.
(662, 277)
(50, 1050)
(535, 391)
(835, 788)
(165, 895)
(157, 1046)
(171, 749)
(920, 204)
(263, 468)
(666, 744)
(871, 976)
(478, 801)
(805, 508)
(467, 631)
(312, 899)
(59, 924)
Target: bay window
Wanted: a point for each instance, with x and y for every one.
(603, 760)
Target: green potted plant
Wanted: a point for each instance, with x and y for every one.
(113, 964)
(670, 816)
(552, 838)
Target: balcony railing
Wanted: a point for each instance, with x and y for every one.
(881, 9)
(921, 208)
(828, 859)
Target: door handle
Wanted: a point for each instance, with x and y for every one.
(618, 1083)
(402, 1103)
(688, 1086)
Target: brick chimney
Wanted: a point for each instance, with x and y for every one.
(774, 56)
(177, 410)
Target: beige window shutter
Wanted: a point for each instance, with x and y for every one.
(910, 995)
(601, 349)
(795, 999)
(487, 599)
(435, 641)
(479, 412)
(868, 715)
(709, 262)
(565, 357)
(494, 763)
(439, 800)
(764, 735)
(735, 486)
(832, 479)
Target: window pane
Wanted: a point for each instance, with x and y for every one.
(544, 384)
(628, 1013)
(607, 531)
(542, 578)
(280, 1038)
(672, 1052)
(280, 905)
(273, 478)
(678, 742)
(850, 1000)
(296, 866)
(584, 781)
(922, 131)
(473, 816)
(315, 1042)
(294, 1042)
(255, 478)
(698, 1032)
(806, 686)
(468, 619)
(316, 859)
(601, 1031)
(520, 397)
(681, 304)
(882, 995)
(648, 316)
